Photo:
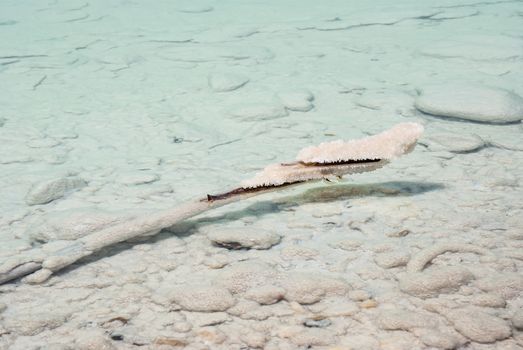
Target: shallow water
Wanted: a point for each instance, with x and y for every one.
(133, 107)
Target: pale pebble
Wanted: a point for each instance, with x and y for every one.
(434, 281)
(224, 82)
(244, 238)
(471, 102)
(259, 111)
(212, 335)
(265, 295)
(72, 224)
(32, 323)
(203, 298)
(334, 306)
(508, 285)
(517, 319)
(400, 319)
(240, 277)
(92, 340)
(253, 339)
(455, 142)
(309, 288)
(393, 259)
(50, 190)
(137, 178)
(477, 325)
(441, 340)
(297, 100)
(307, 337)
(202, 319)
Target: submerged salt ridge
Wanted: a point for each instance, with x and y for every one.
(112, 110)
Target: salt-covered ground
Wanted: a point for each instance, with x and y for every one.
(114, 109)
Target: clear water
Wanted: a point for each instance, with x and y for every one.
(149, 104)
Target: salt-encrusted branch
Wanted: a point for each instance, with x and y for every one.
(325, 161)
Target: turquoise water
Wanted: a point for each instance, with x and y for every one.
(113, 110)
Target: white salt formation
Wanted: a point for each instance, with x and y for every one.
(338, 158)
(387, 145)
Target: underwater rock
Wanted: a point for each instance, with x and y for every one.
(15, 156)
(307, 337)
(357, 342)
(398, 319)
(250, 310)
(438, 339)
(265, 295)
(47, 142)
(91, 340)
(471, 102)
(253, 339)
(224, 82)
(488, 300)
(50, 190)
(393, 259)
(243, 307)
(244, 238)
(368, 304)
(33, 322)
(334, 306)
(58, 346)
(182, 326)
(167, 341)
(347, 244)
(259, 111)
(194, 8)
(137, 178)
(389, 100)
(397, 234)
(517, 319)
(216, 261)
(292, 252)
(203, 298)
(454, 142)
(309, 288)
(477, 325)
(435, 281)
(72, 224)
(38, 277)
(508, 285)
(202, 319)
(240, 277)
(359, 295)
(211, 335)
(476, 47)
(313, 323)
(297, 100)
